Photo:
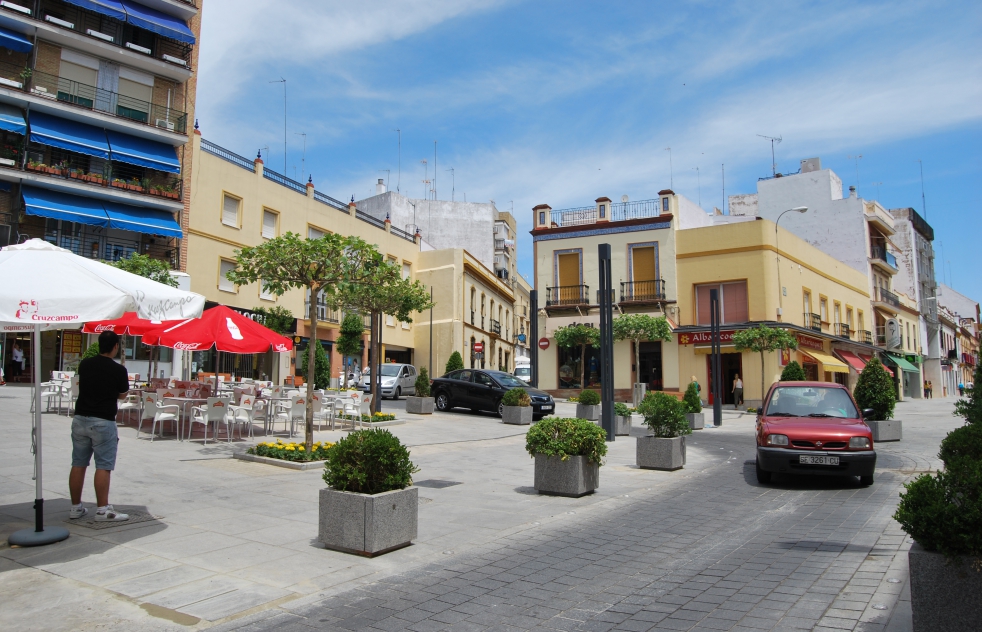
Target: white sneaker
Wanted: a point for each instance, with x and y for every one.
(77, 512)
(110, 515)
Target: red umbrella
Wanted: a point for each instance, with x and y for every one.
(218, 327)
(127, 324)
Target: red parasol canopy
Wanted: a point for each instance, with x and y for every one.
(128, 324)
(218, 327)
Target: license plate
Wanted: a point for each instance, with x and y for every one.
(808, 459)
(547, 408)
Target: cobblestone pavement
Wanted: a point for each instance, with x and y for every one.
(716, 551)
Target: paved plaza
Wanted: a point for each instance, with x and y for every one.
(231, 545)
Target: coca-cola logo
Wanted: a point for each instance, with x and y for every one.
(280, 348)
(102, 328)
(186, 346)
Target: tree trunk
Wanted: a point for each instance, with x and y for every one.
(582, 366)
(309, 413)
(637, 361)
(374, 365)
(762, 378)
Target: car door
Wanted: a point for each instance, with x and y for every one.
(460, 388)
(482, 396)
(409, 385)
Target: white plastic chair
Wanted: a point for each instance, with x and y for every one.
(297, 410)
(215, 411)
(163, 414)
(147, 411)
(73, 396)
(246, 412)
(131, 403)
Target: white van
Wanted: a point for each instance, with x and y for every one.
(523, 369)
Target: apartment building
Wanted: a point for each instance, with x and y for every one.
(96, 106)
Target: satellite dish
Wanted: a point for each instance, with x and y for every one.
(624, 198)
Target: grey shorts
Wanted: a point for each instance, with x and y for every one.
(93, 435)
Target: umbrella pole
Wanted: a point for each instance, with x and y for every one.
(39, 535)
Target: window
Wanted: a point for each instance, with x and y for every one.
(542, 217)
(849, 317)
(463, 376)
(407, 270)
(483, 379)
(823, 304)
(734, 307)
(862, 321)
(908, 335)
(314, 233)
(838, 312)
(269, 224)
(664, 205)
(644, 264)
(223, 269)
(230, 210)
(265, 294)
(603, 210)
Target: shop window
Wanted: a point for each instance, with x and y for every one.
(734, 307)
(571, 368)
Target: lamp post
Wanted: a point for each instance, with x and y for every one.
(777, 249)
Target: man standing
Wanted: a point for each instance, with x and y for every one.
(101, 383)
(17, 355)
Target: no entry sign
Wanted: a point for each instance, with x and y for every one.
(543, 343)
(478, 347)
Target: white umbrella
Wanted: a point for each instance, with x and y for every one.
(46, 287)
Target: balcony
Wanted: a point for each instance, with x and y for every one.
(881, 255)
(883, 295)
(619, 211)
(97, 243)
(499, 244)
(812, 321)
(325, 314)
(567, 295)
(842, 330)
(613, 297)
(643, 291)
(864, 336)
(495, 327)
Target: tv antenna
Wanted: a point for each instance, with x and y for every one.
(426, 179)
(775, 140)
(399, 176)
(857, 159)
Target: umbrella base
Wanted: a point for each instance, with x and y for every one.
(30, 537)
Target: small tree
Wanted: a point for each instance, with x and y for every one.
(763, 339)
(971, 408)
(349, 343)
(423, 383)
(640, 328)
(322, 366)
(91, 351)
(691, 399)
(874, 389)
(455, 363)
(277, 318)
(793, 372)
(147, 267)
(577, 335)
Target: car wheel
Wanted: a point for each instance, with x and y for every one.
(866, 481)
(501, 409)
(398, 392)
(536, 417)
(762, 477)
(443, 402)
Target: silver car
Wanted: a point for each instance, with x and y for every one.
(397, 380)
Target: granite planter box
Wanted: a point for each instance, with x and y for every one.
(622, 425)
(517, 415)
(368, 524)
(945, 595)
(658, 453)
(697, 421)
(419, 405)
(575, 477)
(889, 430)
(590, 413)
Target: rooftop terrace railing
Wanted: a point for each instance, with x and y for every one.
(619, 212)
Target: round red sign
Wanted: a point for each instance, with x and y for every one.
(543, 343)
(478, 347)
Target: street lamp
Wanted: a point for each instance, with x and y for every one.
(777, 248)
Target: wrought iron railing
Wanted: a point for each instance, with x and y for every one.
(371, 219)
(884, 295)
(812, 321)
(881, 253)
(864, 336)
(619, 211)
(613, 296)
(227, 155)
(281, 179)
(323, 198)
(495, 327)
(398, 232)
(567, 295)
(633, 291)
(842, 330)
(94, 243)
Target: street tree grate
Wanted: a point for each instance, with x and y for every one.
(436, 483)
(136, 516)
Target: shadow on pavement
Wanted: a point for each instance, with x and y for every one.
(800, 481)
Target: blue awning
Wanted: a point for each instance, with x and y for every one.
(142, 220)
(157, 22)
(104, 7)
(12, 119)
(11, 40)
(70, 135)
(143, 152)
(63, 206)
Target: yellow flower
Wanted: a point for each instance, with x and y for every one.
(301, 448)
(290, 448)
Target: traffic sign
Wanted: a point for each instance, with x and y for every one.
(543, 343)
(478, 347)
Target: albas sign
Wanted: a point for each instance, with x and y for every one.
(705, 337)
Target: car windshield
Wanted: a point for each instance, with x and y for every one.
(523, 371)
(390, 370)
(810, 401)
(509, 381)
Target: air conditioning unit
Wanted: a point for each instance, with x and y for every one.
(165, 124)
(139, 49)
(175, 60)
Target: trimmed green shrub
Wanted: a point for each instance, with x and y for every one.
(455, 363)
(664, 414)
(92, 351)
(691, 399)
(423, 383)
(793, 372)
(944, 512)
(565, 437)
(622, 410)
(516, 397)
(589, 398)
(874, 389)
(960, 444)
(322, 366)
(971, 408)
(369, 462)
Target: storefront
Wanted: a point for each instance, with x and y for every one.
(60, 351)
(908, 375)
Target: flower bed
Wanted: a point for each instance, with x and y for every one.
(378, 417)
(291, 451)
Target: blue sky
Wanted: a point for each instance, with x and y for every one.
(562, 102)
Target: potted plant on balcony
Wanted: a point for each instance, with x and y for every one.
(420, 403)
(134, 185)
(875, 395)
(588, 405)
(370, 506)
(693, 407)
(568, 454)
(9, 155)
(664, 448)
(119, 183)
(171, 192)
(516, 407)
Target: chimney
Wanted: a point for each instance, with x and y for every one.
(380, 187)
(852, 192)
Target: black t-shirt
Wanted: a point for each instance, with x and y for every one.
(100, 382)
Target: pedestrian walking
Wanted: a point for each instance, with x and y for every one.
(17, 355)
(101, 384)
(737, 391)
(961, 389)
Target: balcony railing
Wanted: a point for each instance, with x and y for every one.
(864, 336)
(613, 296)
(842, 330)
(619, 211)
(884, 295)
(495, 327)
(499, 244)
(94, 243)
(639, 291)
(325, 314)
(812, 321)
(881, 253)
(567, 295)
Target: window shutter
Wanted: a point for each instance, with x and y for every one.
(230, 211)
(264, 293)
(313, 233)
(269, 225)
(223, 282)
(703, 314)
(735, 306)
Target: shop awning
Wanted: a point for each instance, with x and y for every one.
(852, 360)
(110, 8)
(142, 152)
(902, 363)
(63, 206)
(829, 363)
(157, 22)
(71, 135)
(142, 220)
(12, 40)
(886, 368)
(12, 119)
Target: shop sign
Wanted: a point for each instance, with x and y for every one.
(543, 343)
(71, 350)
(810, 343)
(705, 337)
(785, 357)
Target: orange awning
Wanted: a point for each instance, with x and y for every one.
(852, 359)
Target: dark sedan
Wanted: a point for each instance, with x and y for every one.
(482, 390)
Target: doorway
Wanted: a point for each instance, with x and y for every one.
(732, 365)
(649, 366)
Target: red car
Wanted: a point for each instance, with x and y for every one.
(813, 428)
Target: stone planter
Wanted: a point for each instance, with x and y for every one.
(945, 596)
(575, 477)
(697, 421)
(590, 413)
(889, 430)
(516, 415)
(419, 405)
(622, 425)
(367, 524)
(657, 453)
